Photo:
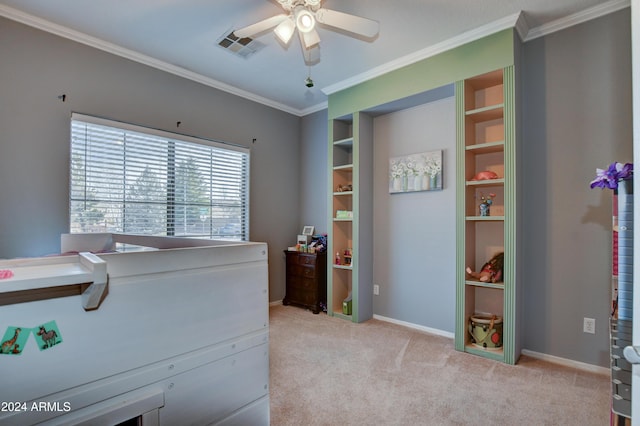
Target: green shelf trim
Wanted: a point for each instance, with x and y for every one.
(477, 57)
(460, 324)
(343, 193)
(510, 325)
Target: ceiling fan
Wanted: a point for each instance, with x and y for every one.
(303, 15)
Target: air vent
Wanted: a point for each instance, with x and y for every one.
(243, 47)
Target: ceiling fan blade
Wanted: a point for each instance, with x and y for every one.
(311, 55)
(310, 39)
(352, 23)
(285, 29)
(261, 26)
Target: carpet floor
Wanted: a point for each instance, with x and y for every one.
(328, 371)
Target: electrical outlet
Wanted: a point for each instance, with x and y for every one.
(376, 289)
(589, 325)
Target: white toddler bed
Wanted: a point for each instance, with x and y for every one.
(169, 331)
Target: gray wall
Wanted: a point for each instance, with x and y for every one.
(577, 116)
(414, 240)
(314, 171)
(37, 67)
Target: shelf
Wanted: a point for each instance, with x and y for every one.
(343, 193)
(339, 314)
(346, 142)
(344, 267)
(486, 148)
(342, 220)
(486, 182)
(491, 112)
(475, 283)
(484, 218)
(485, 81)
(344, 167)
(36, 279)
(495, 354)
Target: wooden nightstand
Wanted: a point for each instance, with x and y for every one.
(306, 280)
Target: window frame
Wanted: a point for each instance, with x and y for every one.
(171, 139)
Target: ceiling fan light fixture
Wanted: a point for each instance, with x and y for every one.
(305, 21)
(285, 30)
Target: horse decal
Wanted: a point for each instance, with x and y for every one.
(48, 337)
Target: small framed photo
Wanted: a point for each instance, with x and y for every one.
(307, 230)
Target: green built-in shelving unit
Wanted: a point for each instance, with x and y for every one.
(483, 72)
(486, 142)
(351, 235)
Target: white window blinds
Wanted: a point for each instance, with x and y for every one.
(131, 179)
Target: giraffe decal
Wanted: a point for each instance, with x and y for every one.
(13, 340)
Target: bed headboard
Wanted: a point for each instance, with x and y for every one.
(93, 242)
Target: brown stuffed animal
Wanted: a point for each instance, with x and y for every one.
(491, 271)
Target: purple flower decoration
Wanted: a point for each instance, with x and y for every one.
(615, 173)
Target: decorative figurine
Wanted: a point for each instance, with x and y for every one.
(485, 175)
(485, 205)
(491, 271)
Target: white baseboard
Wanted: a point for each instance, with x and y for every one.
(537, 355)
(416, 326)
(567, 362)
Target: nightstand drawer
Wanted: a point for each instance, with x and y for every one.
(300, 283)
(301, 271)
(306, 259)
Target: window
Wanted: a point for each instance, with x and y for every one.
(131, 179)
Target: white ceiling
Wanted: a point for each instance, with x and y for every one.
(181, 36)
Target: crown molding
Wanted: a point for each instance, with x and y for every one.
(457, 41)
(522, 26)
(59, 30)
(577, 18)
(314, 108)
(517, 21)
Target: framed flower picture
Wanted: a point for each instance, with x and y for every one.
(416, 172)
